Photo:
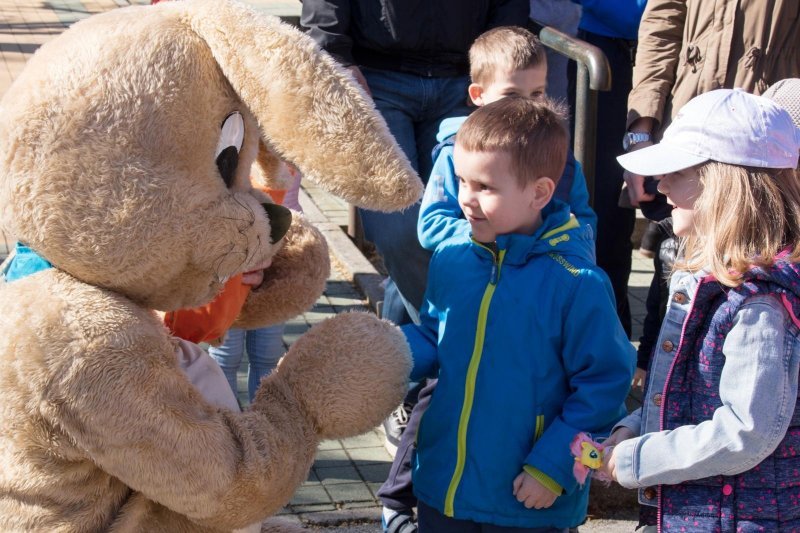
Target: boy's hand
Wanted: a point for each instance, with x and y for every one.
(531, 493)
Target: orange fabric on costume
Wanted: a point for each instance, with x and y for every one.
(209, 323)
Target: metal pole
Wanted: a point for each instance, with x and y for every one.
(594, 74)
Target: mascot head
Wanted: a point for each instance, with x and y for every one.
(128, 164)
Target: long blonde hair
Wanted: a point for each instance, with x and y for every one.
(743, 217)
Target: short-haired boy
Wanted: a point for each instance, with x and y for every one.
(505, 61)
(519, 326)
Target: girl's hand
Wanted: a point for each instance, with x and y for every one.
(609, 466)
(531, 493)
(638, 379)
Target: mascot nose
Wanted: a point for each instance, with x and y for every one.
(280, 219)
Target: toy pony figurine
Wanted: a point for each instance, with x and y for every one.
(588, 458)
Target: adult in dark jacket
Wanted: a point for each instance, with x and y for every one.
(411, 56)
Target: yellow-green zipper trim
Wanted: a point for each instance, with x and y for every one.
(472, 375)
(572, 223)
(539, 428)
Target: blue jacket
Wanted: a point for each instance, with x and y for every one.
(440, 216)
(612, 18)
(528, 350)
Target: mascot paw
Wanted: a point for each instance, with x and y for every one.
(348, 373)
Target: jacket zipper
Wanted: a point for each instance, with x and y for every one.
(472, 375)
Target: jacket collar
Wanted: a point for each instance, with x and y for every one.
(559, 233)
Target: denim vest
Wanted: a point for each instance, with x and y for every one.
(766, 497)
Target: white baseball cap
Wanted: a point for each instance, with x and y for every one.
(726, 125)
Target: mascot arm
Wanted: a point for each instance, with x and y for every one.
(135, 414)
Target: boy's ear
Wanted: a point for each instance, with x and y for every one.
(542, 193)
(475, 92)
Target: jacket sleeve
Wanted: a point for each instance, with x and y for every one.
(599, 361)
(657, 58)
(579, 200)
(440, 215)
(328, 23)
(423, 338)
(508, 13)
(758, 392)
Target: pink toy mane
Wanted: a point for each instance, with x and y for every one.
(579, 470)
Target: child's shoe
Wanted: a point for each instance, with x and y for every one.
(397, 522)
(394, 426)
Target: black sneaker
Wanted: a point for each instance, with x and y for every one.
(393, 427)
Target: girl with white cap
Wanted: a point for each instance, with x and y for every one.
(716, 444)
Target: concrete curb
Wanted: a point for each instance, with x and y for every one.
(354, 265)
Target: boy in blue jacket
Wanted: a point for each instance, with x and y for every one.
(504, 61)
(519, 327)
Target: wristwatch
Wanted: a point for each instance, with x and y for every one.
(632, 138)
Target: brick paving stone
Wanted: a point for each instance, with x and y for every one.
(331, 458)
(374, 486)
(310, 494)
(330, 445)
(374, 473)
(350, 492)
(320, 507)
(337, 474)
(365, 440)
(375, 454)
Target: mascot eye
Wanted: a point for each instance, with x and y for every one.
(230, 142)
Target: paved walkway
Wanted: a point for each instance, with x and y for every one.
(340, 492)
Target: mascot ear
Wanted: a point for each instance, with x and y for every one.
(310, 110)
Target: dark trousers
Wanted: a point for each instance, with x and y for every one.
(614, 223)
(397, 492)
(432, 521)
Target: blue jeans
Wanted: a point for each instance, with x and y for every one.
(264, 349)
(413, 108)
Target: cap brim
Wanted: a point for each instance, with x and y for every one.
(659, 159)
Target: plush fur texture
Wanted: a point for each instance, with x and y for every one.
(108, 147)
(293, 282)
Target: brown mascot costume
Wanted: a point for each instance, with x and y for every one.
(126, 148)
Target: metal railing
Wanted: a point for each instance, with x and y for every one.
(594, 74)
